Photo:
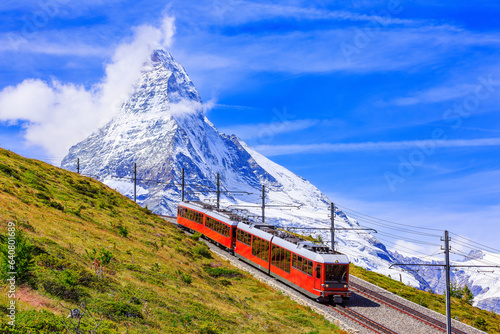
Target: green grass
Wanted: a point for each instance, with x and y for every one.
(155, 278)
(460, 309)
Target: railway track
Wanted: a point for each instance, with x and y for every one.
(367, 322)
(402, 308)
(362, 320)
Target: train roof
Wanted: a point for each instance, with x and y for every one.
(308, 249)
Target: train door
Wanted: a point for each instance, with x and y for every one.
(317, 276)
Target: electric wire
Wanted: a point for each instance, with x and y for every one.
(477, 243)
(388, 221)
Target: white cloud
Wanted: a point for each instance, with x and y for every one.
(265, 130)
(57, 115)
(275, 150)
(436, 94)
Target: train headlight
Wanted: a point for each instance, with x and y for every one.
(345, 286)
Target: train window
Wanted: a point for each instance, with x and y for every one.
(254, 246)
(279, 259)
(299, 263)
(294, 261)
(304, 265)
(318, 271)
(336, 272)
(274, 255)
(287, 261)
(309, 268)
(259, 247)
(264, 249)
(267, 252)
(283, 259)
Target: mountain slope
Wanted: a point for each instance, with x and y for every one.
(157, 281)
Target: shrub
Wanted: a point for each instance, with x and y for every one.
(105, 256)
(480, 323)
(20, 259)
(222, 272)
(59, 289)
(113, 309)
(196, 236)
(42, 196)
(9, 171)
(203, 251)
(56, 205)
(186, 278)
(122, 230)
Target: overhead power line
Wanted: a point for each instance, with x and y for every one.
(391, 222)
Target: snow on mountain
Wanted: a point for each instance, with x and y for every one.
(162, 129)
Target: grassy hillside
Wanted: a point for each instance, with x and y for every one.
(155, 279)
(473, 316)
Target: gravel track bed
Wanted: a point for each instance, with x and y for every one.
(381, 313)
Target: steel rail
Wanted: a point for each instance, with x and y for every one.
(403, 308)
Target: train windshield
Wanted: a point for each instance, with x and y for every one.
(336, 273)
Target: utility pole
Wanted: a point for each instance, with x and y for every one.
(447, 267)
(78, 165)
(135, 182)
(263, 204)
(447, 272)
(332, 213)
(218, 190)
(182, 185)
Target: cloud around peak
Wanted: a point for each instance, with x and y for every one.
(56, 115)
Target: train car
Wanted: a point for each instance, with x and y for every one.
(310, 268)
(218, 227)
(253, 245)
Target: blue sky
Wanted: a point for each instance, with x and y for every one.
(389, 107)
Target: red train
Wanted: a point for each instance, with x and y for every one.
(308, 267)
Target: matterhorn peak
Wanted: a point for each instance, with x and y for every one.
(162, 83)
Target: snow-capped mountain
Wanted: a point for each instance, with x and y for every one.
(162, 128)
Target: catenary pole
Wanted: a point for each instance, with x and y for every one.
(332, 213)
(447, 272)
(218, 190)
(78, 165)
(135, 182)
(263, 204)
(182, 185)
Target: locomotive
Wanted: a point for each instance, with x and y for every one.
(312, 269)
